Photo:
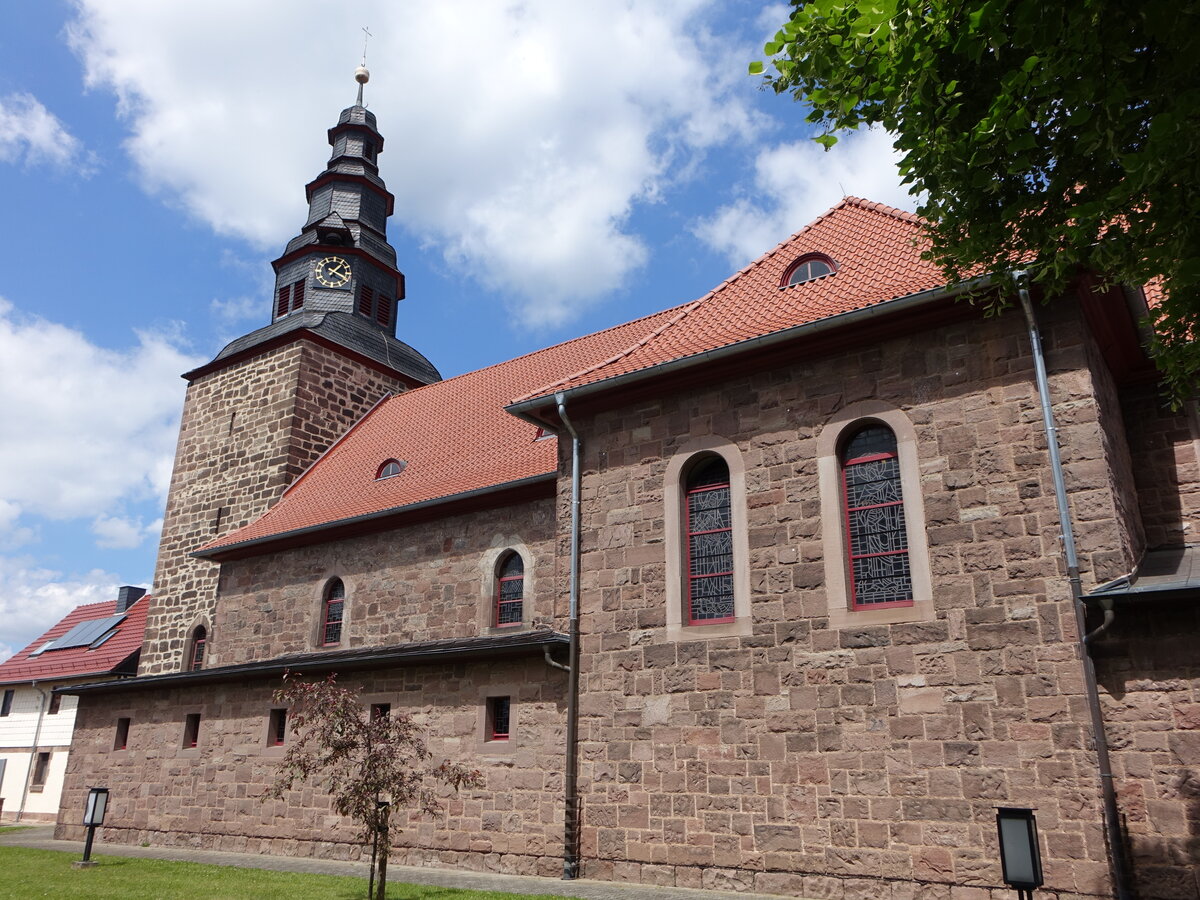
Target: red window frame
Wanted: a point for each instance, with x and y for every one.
(333, 610)
(692, 579)
(298, 295)
(847, 509)
(366, 300)
(121, 738)
(503, 610)
(284, 303)
(499, 718)
(199, 643)
(804, 261)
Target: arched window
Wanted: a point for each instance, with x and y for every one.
(709, 543)
(806, 269)
(196, 657)
(331, 612)
(876, 534)
(390, 468)
(510, 589)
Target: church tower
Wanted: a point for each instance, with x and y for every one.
(272, 401)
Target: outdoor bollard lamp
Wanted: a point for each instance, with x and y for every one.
(93, 816)
(1019, 855)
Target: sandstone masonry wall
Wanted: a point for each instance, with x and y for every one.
(247, 431)
(214, 795)
(422, 582)
(1166, 453)
(814, 761)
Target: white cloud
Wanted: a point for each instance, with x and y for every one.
(34, 598)
(32, 134)
(519, 137)
(796, 182)
(122, 532)
(86, 428)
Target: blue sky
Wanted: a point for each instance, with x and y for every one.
(558, 168)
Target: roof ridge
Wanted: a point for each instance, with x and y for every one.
(876, 206)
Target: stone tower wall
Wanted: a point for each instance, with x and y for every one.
(248, 430)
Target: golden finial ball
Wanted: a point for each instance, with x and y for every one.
(361, 75)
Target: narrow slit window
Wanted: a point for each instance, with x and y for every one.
(498, 710)
(333, 609)
(199, 643)
(191, 730)
(277, 728)
(7, 703)
(121, 738)
(510, 590)
(876, 532)
(709, 544)
(55, 704)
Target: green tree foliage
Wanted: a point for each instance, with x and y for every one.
(372, 766)
(1060, 134)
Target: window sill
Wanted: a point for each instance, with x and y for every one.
(740, 627)
(921, 611)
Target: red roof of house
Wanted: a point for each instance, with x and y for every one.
(79, 661)
(877, 252)
(453, 435)
(456, 436)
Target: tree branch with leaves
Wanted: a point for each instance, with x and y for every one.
(372, 766)
(1062, 135)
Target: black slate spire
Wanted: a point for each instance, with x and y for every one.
(341, 260)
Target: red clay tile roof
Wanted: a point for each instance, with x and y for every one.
(456, 436)
(877, 250)
(78, 661)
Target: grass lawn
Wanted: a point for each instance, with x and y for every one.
(28, 873)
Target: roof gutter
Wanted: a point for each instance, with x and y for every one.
(524, 408)
(217, 553)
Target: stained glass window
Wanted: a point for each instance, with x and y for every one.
(335, 600)
(876, 538)
(710, 544)
(510, 590)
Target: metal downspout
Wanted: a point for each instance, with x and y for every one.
(37, 736)
(571, 823)
(1112, 819)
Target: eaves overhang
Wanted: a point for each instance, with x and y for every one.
(527, 643)
(527, 409)
(1170, 574)
(497, 494)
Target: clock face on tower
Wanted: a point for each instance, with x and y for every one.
(333, 272)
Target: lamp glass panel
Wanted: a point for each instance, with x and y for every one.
(1018, 855)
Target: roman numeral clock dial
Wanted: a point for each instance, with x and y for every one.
(333, 272)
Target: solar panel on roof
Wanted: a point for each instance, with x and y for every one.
(86, 632)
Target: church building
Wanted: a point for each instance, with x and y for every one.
(785, 589)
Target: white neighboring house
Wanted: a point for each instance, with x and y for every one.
(97, 640)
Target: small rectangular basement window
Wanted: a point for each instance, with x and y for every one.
(191, 729)
(277, 728)
(121, 739)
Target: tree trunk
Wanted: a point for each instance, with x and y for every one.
(383, 858)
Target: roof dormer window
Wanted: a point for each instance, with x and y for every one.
(806, 268)
(391, 468)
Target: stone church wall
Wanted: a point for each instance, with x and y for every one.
(247, 431)
(431, 581)
(213, 796)
(810, 760)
